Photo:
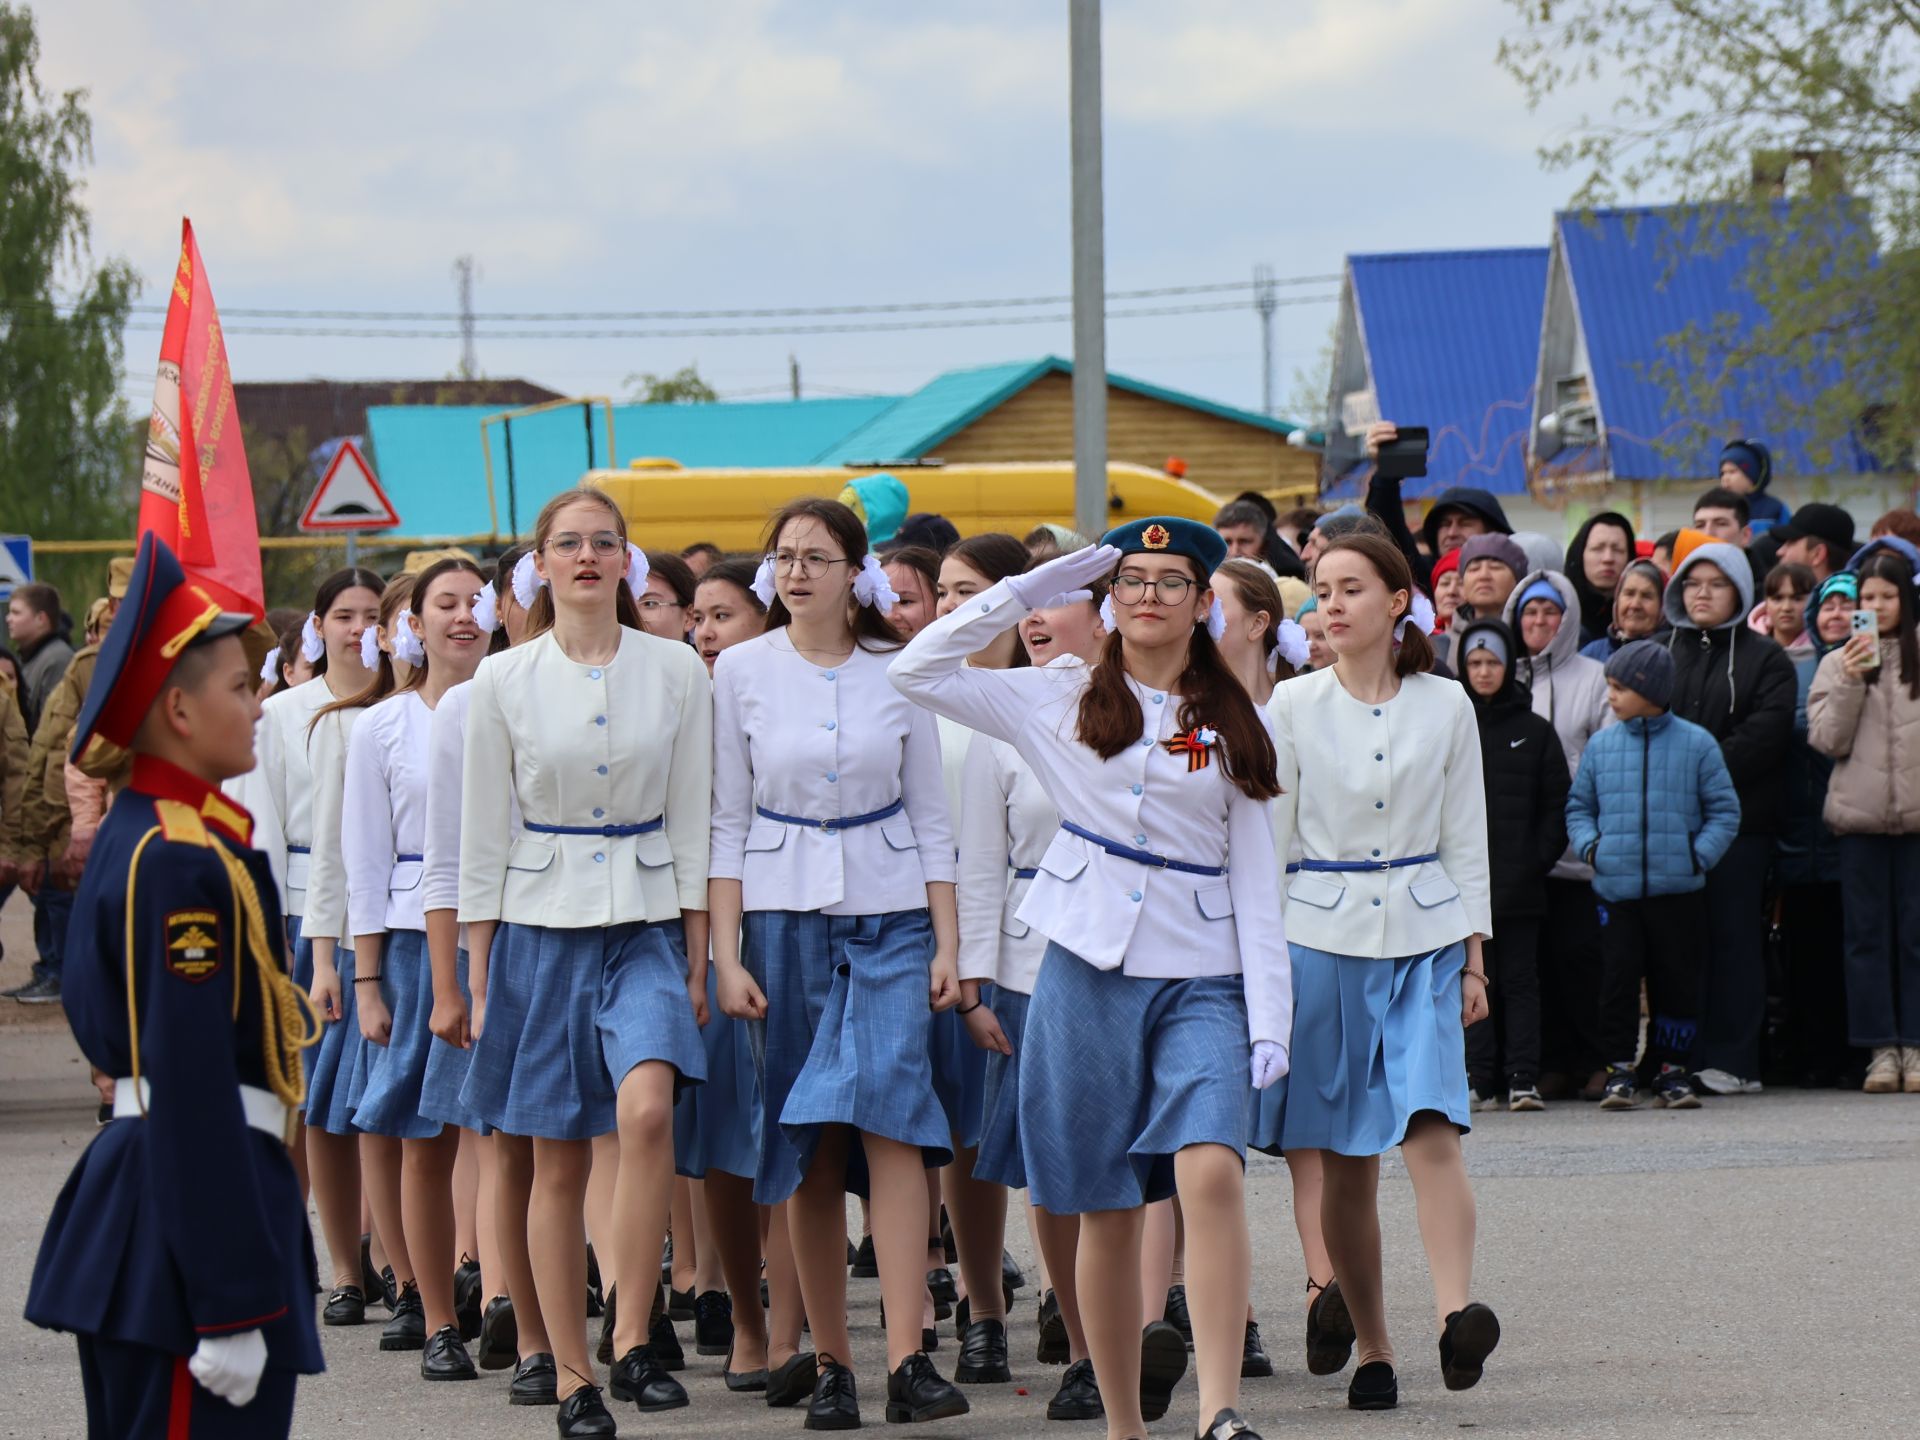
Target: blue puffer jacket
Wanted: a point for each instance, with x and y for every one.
(1652, 809)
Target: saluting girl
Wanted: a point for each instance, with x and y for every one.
(586, 1005)
(1163, 963)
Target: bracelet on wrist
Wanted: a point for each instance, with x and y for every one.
(969, 1009)
(364, 979)
(1479, 975)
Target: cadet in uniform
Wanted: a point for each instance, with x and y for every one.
(178, 1252)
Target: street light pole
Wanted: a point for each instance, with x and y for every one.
(1089, 273)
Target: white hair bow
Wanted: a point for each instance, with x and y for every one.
(763, 582)
(269, 668)
(1290, 646)
(1107, 617)
(370, 647)
(486, 610)
(637, 570)
(871, 586)
(527, 581)
(1420, 612)
(312, 647)
(407, 644)
(1216, 621)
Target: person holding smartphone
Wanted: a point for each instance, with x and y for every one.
(1864, 711)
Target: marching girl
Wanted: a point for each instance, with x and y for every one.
(831, 834)
(668, 596)
(1382, 822)
(1162, 962)
(279, 793)
(1262, 648)
(340, 1069)
(383, 838)
(1007, 822)
(585, 1010)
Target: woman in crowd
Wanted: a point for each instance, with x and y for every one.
(1382, 823)
(1597, 557)
(1635, 610)
(1446, 590)
(668, 596)
(1782, 615)
(914, 573)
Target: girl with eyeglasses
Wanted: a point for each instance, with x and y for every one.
(834, 931)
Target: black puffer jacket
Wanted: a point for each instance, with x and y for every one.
(1527, 782)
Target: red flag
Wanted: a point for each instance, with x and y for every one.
(195, 492)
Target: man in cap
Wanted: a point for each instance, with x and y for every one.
(1819, 537)
(178, 1252)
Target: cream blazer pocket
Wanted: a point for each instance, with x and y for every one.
(899, 834)
(1433, 891)
(653, 850)
(1010, 921)
(1065, 859)
(1319, 890)
(406, 876)
(297, 867)
(529, 854)
(1215, 901)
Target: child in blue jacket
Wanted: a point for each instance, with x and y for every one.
(1652, 810)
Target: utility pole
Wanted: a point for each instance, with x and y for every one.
(793, 373)
(1089, 272)
(1265, 302)
(469, 361)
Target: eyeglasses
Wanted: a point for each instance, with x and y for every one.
(1168, 589)
(604, 542)
(654, 602)
(1708, 586)
(810, 565)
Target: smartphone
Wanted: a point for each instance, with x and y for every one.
(1405, 456)
(1865, 622)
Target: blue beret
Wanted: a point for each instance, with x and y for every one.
(1170, 535)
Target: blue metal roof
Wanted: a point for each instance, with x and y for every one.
(1453, 343)
(1641, 276)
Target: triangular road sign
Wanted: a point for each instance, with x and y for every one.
(349, 497)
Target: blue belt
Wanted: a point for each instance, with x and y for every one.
(839, 822)
(404, 858)
(1142, 857)
(1340, 866)
(299, 849)
(1020, 874)
(644, 827)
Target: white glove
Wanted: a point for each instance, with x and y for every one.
(1062, 574)
(1072, 597)
(1269, 1062)
(230, 1365)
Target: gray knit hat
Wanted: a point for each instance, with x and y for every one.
(1645, 668)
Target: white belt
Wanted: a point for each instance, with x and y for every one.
(264, 1110)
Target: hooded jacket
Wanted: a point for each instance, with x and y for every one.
(1872, 731)
(1384, 502)
(1737, 686)
(1806, 853)
(1596, 605)
(1527, 779)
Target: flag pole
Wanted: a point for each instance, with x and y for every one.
(1089, 272)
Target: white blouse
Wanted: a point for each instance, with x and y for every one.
(1007, 822)
(823, 742)
(593, 748)
(326, 914)
(383, 816)
(1114, 912)
(1381, 782)
(278, 791)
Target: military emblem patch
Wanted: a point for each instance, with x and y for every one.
(193, 944)
(1156, 537)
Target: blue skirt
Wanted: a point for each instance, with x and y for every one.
(1375, 1042)
(1121, 1073)
(337, 1059)
(570, 1013)
(846, 1038)
(389, 1102)
(716, 1126)
(960, 1075)
(447, 1070)
(999, 1159)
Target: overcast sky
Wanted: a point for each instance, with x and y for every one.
(747, 154)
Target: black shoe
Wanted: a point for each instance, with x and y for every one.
(41, 992)
(585, 1413)
(1052, 1348)
(1078, 1397)
(1330, 1334)
(407, 1330)
(372, 1282)
(944, 1292)
(916, 1393)
(948, 1246)
(1254, 1364)
(835, 1404)
(680, 1306)
(499, 1335)
(666, 1345)
(603, 1352)
(1373, 1387)
(1163, 1360)
(983, 1355)
(1472, 1332)
(1228, 1425)
(742, 1381)
(712, 1323)
(596, 1291)
(792, 1382)
(1012, 1277)
(389, 1287)
(1176, 1313)
(466, 1298)
(533, 1381)
(446, 1357)
(865, 1266)
(639, 1378)
(347, 1305)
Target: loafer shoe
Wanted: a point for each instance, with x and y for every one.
(407, 1330)
(983, 1355)
(639, 1378)
(1228, 1425)
(1078, 1397)
(347, 1305)
(1011, 1275)
(1051, 1348)
(466, 1299)
(836, 1401)
(789, 1384)
(499, 1335)
(446, 1357)
(585, 1413)
(533, 1382)
(917, 1393)
(1471, 1334)
(742, 1381)
(1330, 1333)
(1373, 1387)
(1255, 1364)
(865, 1265)
(941, 1287)
(1163, 1360)
(712, 1323)
(1176, 1313)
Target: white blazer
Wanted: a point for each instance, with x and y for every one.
(278, 791)
(1110, 911)
(1007, 821)
(383, 816)
(1381, 782)
(326, 913)
(587, 746)
(824, 742)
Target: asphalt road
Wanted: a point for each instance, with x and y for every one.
(1751, 1269)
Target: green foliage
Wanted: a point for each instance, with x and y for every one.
(69, 449)
(1807, 102)
(683, 387)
